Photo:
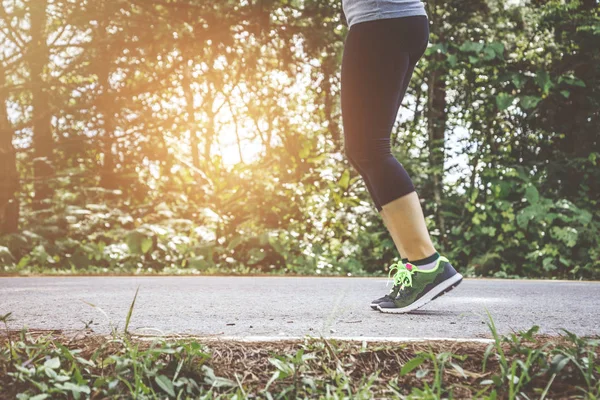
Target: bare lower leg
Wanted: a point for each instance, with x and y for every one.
(406, 222)
(391, 228)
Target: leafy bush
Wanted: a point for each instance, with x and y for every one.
(514, 231)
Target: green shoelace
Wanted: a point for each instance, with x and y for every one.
(403, 276)
(394, 269)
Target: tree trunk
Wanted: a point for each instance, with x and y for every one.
(42, 124)
(437, 119)
(237, 132)
(328, 69)
(210, 131)
(9, 178)
(191, 113)
(106, 103)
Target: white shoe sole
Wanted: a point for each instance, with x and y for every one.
(437, 291)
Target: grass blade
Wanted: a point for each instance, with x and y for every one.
(130, 312)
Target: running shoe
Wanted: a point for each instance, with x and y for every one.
(394, 292)
(419, 287)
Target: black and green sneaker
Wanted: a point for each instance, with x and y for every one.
(394, 292)
(419, 287)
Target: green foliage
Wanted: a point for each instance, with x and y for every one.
(527, 204)
(523, 365)
(511, 230)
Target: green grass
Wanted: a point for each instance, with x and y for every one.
(522, 365)
(42, 366)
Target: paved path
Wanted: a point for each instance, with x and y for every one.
(252, 307)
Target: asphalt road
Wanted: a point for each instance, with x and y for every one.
(250, 307)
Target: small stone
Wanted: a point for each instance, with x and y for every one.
(332, 331)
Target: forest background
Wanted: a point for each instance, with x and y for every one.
(202, 137)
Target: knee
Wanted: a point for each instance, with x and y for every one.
(363, 156)
(355, 156)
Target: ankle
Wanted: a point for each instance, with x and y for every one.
(427, 264)
(420, 251)
(426, 260)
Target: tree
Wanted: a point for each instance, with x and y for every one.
(9, 177)
(37, 57)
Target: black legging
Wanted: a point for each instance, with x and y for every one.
(379, 59)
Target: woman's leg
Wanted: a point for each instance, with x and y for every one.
(407, 225)
(379, 58)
